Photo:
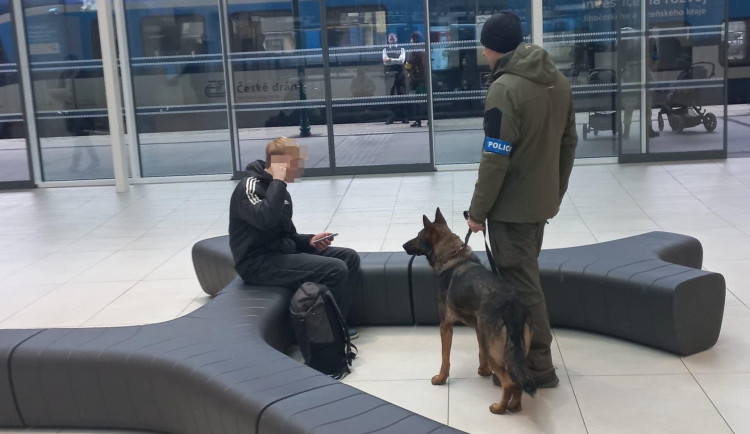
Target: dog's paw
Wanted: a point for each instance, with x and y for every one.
(497, 408)
(438, 380)
(484, 371)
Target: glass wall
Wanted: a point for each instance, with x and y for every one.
(685, 76)
(366, 85)
(68, 86)
(277, 69)
(650, 70)
(459, 73)
(378, 82)
(738, 58)
(179, 87)
(581, 37)
(14, 157)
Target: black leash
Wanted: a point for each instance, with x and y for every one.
(486, 246)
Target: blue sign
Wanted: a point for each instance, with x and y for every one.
(497, 146)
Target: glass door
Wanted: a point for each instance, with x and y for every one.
(15, 169)
(378, 83)
(179, 88)
(685, 78)
(460, 71)
(673, 80)
(68, 87)
(277, 78)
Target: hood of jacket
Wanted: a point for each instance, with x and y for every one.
(529, 61)
(257, 169)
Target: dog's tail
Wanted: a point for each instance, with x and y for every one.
(515, 357)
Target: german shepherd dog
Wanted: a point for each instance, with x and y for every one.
(470, 293)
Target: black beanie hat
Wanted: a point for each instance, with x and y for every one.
(502, 32)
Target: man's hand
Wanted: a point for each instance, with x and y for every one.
(474, 226)
(278, 171)
(319, 244)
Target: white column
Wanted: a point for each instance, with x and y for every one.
(24, 72)
(537, 22)
(112, 90)
(127, 89)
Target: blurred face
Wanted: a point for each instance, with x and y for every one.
(392, 39)
(294, 164)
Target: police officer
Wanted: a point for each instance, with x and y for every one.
(394, 59)
(527, 157)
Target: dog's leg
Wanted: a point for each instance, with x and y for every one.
(446, 339)
(514, 405)
(484, 367)
(508, 386)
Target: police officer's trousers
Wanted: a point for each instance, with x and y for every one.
(516, 248)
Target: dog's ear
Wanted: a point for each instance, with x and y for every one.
(427, 223)
(439, 217)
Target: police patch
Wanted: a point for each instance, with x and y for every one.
(497, 146)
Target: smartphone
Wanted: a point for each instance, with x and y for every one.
(327, 237)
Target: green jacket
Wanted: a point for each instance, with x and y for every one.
(530, 140)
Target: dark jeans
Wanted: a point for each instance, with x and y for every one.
(399, 88)
(335, 267)
(516, 248)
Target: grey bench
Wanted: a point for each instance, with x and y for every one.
(220, 369)
(648, 289)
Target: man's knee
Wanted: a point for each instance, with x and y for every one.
(336, 271)
(352, 259)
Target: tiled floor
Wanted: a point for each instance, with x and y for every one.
(87, 256)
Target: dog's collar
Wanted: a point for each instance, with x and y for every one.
(457, 251)
(463, 246)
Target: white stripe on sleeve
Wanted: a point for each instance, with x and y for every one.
(250, 191)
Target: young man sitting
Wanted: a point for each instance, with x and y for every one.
(265, 244)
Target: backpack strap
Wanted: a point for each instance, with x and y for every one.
(350, 355)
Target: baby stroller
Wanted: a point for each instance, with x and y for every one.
(682, 109)
(602, 120)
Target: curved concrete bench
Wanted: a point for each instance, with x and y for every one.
(648, 289)
(219, 369)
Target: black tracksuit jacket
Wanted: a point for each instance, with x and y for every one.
(260, 220)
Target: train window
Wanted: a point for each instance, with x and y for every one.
(738, 48)
(262, 31)
(173, 35)
(363, 25)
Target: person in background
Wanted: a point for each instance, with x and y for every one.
(415, 65)
(394, 59)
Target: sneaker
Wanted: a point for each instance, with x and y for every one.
(353, 333)
(544, 382)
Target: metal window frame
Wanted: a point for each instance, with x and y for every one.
(29, 182)
(27, 92)
(128, 103)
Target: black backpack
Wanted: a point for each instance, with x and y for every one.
(321, 330)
